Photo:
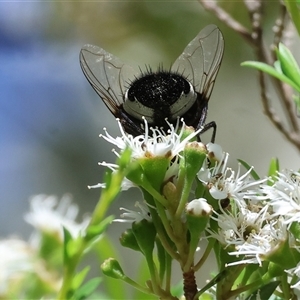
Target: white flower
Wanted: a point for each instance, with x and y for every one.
(223, 182)
(215, 150)
(49, 215)
(20, 261)
(284, 196)
(16, 259)
(254, 235)
(159, 143)
(261, 243)
(234, 226)
(295, 272)
(130, 216)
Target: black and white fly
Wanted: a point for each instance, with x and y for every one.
(183, 91)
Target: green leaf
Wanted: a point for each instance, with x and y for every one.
(73, 246)
(97, 229)
(273, 168)
(113, 183)
(248, 167)
(163, 258)
(279, 256)
(293, 10)
(295, 230)
(264, 292)
(277, 67)
(271, 71)
(288, 64)
(67, 240)
(177, 289)
(87, 289)
(212, 282)
(51, 249)
(124, 159)
(79, 278)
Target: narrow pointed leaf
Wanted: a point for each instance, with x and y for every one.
(271, 71)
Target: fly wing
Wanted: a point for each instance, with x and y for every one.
(201, 60)
(107, 74)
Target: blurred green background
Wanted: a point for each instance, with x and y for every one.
(50, 117)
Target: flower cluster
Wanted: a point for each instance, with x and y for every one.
(48, 215)
(194, 191)
(32, 267)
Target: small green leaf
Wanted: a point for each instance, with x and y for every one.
(293, 10)
(124, 159)
(248, 167)
(271, 71)
(87, 289)
(97, 229)
(279, 255)
(277, 67)
(212, 282)
(288, 64)
(163, 258)
(67, 240)
(264, 292)
(79, 278)
(73, 246)
(177, 289)
(273, 169)
(295, 230)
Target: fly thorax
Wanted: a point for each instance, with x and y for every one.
(158, 96)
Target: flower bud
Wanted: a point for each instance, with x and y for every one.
(198, 208)
(197, 212)
(194, 156)
(112, 268)
(169, 190)
(128, 240)
(188, 130)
